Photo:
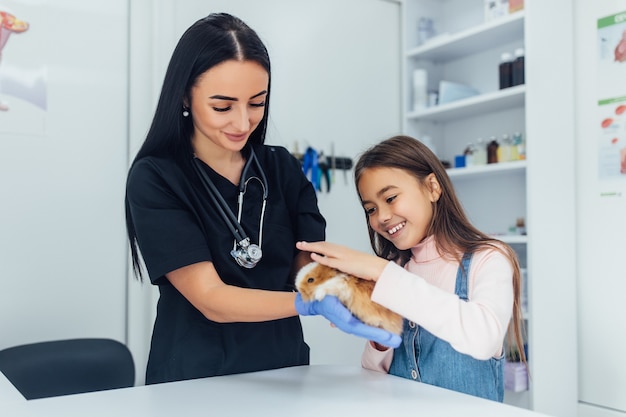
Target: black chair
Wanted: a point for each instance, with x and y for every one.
(62, 367)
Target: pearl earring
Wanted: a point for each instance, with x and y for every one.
(185, 113)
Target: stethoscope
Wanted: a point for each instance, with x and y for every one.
(245, 253)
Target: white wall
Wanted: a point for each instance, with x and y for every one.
(601, 224)
(335, 80)
(62, 172)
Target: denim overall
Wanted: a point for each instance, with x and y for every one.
(424, 357)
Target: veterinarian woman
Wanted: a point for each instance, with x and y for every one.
(214, 214)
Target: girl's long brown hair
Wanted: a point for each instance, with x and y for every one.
(453, 233)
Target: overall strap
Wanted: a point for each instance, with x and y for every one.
(462, 275)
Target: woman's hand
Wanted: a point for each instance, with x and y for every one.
(340, 317)
(350, 261)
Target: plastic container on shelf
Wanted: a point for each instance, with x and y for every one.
(494, 9)
(425, 30)
(516, 6)
(517, 68)
(504, 150)
(520, 146)
(480, 152)
(420, 86)
(505, 70)
(433, 98)
(515, 376)
(469, 155)
(492, 151)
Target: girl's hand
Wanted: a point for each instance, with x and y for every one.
(350, 261)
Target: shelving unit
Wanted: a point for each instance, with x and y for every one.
(467, 51)
(485, 171)
(485, 103)
(472, 40)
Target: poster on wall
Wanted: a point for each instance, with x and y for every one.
(23, 89)
(612, 104)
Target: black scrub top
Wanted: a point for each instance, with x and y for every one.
(177, 224)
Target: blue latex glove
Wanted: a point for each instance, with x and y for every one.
(331, 308)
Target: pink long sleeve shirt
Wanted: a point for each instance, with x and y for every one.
(423, 292)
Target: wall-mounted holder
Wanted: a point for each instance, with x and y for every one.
(316, 167)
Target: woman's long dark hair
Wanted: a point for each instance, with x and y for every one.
(217, 38)
(452, 231)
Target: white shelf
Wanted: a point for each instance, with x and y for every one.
(475, 39)
(475, 172)
(512, 239)
(484, 103)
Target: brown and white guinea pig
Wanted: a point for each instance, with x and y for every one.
(315, 281)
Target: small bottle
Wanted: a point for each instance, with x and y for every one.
(433, 98)
(492, 151)
(517, 68)
(520, 146)
(425, 30)
(504, 150)
(469, 155)
(480, 152)
(420, 85)
(513, 153)
(506, 70)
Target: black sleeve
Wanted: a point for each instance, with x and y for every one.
(168, 234)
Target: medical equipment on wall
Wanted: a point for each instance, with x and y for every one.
(246, 254)
(317, 167)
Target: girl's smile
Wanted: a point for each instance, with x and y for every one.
(396, 228)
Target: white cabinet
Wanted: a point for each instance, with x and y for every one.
(466, 49)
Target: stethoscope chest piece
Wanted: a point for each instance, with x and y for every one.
(247, 254)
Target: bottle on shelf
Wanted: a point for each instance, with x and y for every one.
(516, 6)
(520, 146)
(517, 68)
(504, 150)
(513, 152)
(420, 85)
(492, 151)
(494, 9)
(433, 98)
(480, 152)
(469, 155)
(506, 70)
(425, 30)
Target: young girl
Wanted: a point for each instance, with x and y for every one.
(457, 287)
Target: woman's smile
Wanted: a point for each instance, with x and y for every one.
(237, 137)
